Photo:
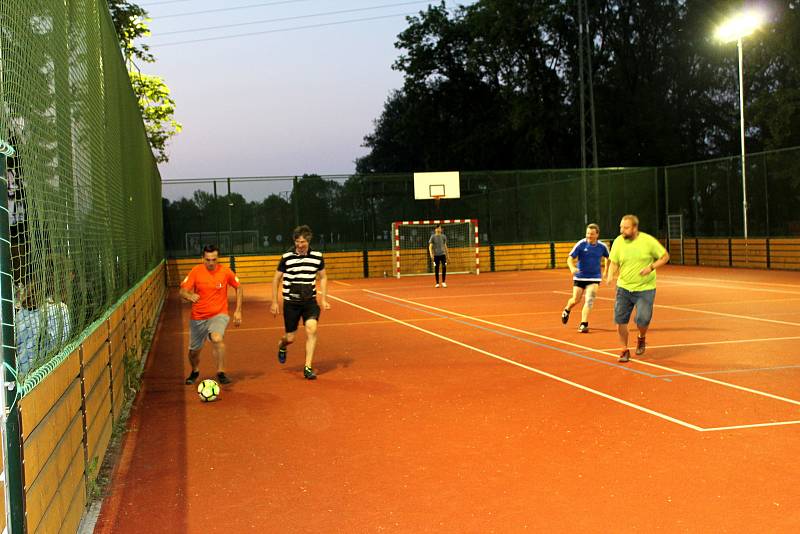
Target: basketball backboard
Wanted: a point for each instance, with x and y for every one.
(428, 185)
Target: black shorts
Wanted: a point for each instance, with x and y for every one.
(583, 284)
(293, 311)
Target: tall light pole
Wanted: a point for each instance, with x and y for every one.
(734, 29)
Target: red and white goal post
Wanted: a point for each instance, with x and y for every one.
(411, 240)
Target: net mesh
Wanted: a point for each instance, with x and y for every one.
(708, 195)
(84, 195)
(355, 212)
(412, 247)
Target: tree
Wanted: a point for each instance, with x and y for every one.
(772, 70)
(155, 103)
(483, 89)
(495, 86)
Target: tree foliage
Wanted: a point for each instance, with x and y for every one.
(495, 86)
(152, 93)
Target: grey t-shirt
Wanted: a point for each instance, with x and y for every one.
(439, 242)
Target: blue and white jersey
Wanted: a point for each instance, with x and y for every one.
(589, 256)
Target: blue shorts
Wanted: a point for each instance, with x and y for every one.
(626, 300)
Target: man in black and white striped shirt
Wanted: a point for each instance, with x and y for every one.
(297, 273)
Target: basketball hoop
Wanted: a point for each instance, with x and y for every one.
(436, 199)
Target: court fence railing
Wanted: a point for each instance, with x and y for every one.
(255, 215)
(82, 230)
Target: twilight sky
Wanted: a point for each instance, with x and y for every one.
(278, 103)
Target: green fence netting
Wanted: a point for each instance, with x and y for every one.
(255, 215)
(708, 195)
(352, 212)
(84, 193)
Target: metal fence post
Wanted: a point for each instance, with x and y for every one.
(12, 442)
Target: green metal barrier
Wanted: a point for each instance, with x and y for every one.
(12, 453)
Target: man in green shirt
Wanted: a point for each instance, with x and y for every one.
(635, 256)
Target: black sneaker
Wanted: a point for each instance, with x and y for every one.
(584, 328)
(308, 373)
(625, 356)
(640, 345)
(192, 378)
(282, 354)
(564, 316)
(222, 378)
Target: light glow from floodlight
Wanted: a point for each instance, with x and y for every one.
(740, 25)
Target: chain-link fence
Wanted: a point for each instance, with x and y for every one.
(255, 215)
(708, 195)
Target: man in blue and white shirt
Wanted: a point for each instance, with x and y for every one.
(297, 274)
(592, 255)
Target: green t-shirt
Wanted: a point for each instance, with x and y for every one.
(632, 257)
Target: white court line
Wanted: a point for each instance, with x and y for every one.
(755, 425)
(693, 278)
(707, 303)
(469, 296)
(556, 340)
(528, 368)
(735, 316)
(754, 340)
(721, 314)
(729, 286)
(342, 283)
(563, 380)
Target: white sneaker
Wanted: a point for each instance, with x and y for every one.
(437, 285)
(444, 285)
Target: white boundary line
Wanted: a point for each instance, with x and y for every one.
(721, 314)
(664, 368)
(748, 317)
(754, 425)
(727, 341)
(669, 282)
(590, 349)
(668, 277)
(563, 380)
(528, 368)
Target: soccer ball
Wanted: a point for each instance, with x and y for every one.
(208, 390)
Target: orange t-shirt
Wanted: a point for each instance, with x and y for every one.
(212, 286)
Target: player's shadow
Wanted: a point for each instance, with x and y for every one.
(324, 366)
(244, 375)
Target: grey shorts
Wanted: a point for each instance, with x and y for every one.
(626, 300)
(200, 330)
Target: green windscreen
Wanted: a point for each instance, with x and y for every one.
(84, 192)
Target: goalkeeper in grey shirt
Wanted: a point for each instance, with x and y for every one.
(437, 248)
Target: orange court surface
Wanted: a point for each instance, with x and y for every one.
(473, 409)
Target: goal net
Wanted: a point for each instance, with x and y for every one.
(411, 240)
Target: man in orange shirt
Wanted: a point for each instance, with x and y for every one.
(206, 287)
